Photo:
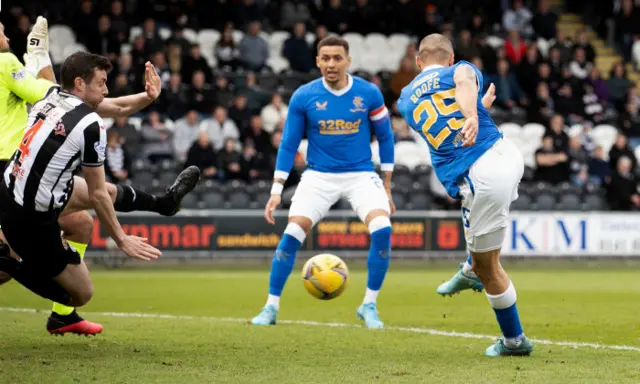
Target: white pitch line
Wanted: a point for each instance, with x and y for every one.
(433, 332)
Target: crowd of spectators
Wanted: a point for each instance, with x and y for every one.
(228, 118)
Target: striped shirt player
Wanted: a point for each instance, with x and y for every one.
(338, 120)
(62, 134)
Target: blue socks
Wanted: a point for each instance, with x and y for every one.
(504, 305)
(379, 253)
(284, 258)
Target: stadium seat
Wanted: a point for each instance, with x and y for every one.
(420, 201)
(593, 202)
(569, 202)
(165, 33)
(61, 35)
(213, 200)
(56, 51)
(257, 187)
(408, 154)
(604, 135)
(635, 52)
(234, 186)
(310, 38)
(239, 200)
(208, 37)
(543, 46)
(399, 41)
(511, 130)
(143, 179)
(190, 201)
(190, 35)
(356, 43)
(277, 63)
(72, 48)
(402, 181)
(168, 165)
(522, 203)
(376, 42)
(400, 201)
(167, 178)
(568, 188)
(422, 169)
(533, 131)
(545, 202)
(575, 130)
(141, 166)
(261, 198)
(341, 204)
(237, 36)
(528, 173)
(636, 152)
(495, 42)
(268, 81)
(401, 169)
(134, 32)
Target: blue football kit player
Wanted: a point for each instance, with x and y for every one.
(476, 165)
(337, 113)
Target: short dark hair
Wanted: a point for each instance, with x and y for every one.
(83, 65)
(334, 41)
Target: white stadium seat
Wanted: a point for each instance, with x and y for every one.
(511, 130)
(190, 35)
(575, 130)
(72, 48)
(399, 41)
(636, 53)
(134, 32)
(604, 135)
(533, 131)
(310, 37)
(543, 46)
(108, 122)
(407, 153)
(376, 42)
(356, 42)
(125, 48)
(636, 152)
(237, 36)
(164, 33)
(495, 42)
(208, 37)
(61, 35)
(56, 52)
(136, 122)
(278, 63)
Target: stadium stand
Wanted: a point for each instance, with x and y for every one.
(566, 63)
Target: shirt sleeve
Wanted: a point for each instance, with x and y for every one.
(93, 143)
(19, 81)
(294, 128)
(379, 116)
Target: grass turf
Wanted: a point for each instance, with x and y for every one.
(576, 305)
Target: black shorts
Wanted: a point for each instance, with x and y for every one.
(35, 237)
(3, 165)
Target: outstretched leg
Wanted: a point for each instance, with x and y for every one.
(464, 279)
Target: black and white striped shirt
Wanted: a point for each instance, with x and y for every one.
(62, 133)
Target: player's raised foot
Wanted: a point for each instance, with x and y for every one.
(267, 316)
(72, 323)
(524, 347)
(459, 282)
(185, 183)
(369, 314)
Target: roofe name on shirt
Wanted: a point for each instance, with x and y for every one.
(425, 85)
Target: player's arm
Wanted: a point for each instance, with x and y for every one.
(22, 83)
(128, 105)
(379, 116)
(467, 86)
(291, 137)
(92, 154)
(37, 60)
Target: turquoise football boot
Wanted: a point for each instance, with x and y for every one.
(267, 316)
(499, 349)
(369, 314)
(459, 282)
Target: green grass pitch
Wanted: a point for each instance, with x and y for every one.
(212, 343)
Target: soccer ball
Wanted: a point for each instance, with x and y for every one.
(325, 276)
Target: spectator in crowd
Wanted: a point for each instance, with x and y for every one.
(599, 86)
(297, 51)
(508, 91)
(619, 149)
(253, 49)
(477, 26)
(335, 17)
(257, 135)
(580, 67)
(227, 52)
(177, 39)
(618, 85)
(174, 58)
(174, 98)
(545, 75)
(559, 137)
(229, 160)
(256, 96)
(240, 114)
(107, 43)
(578, 161)
(582, 42)
(157, 138)
(544, 21)
(132, 75)
(202, 155)
(118, 22)
(599, 169)
(364, 18)
(152, 40)
(528, 66)
(223, 90)
(540, 109)
(588, 143)
(466, 48)
(200, 94)
(403, 76)
(269, 162)
(117, 163)
(293, 11)
(196, 63)
(629, 124)
(129, 135)
(569, 105)
(564, 45)
(623, 190)
(250, 163)
(160, 63)
(626, 26)
(121, 86)
(515, 48)
(84, 23)
(220, 128)
(518, 19)
(477, 61)
(321, 33)
(593, 110)
(139, 53)
(184, 134)
(273, 113)
(552, 165)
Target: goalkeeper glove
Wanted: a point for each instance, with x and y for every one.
(37, 56)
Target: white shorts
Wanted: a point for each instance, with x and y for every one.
(487, 193)
(318, 191)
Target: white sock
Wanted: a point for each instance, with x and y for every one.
(370, 296)
(274, 300)
(467, 270)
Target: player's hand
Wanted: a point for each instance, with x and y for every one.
(38, 38)
(489, 97)
(272, 204)
(134, 246)
(470, 131)
(152, 82)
